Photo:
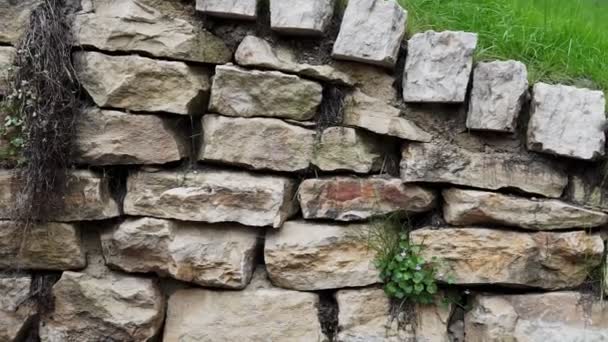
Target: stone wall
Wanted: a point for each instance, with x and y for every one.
(233, 152)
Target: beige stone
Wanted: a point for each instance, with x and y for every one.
(16, 309)
(372, 80)
(588, 191)
(232, 9)
(345, 148)
(7, 56)
(14, 18)
(301, 17)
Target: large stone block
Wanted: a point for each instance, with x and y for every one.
(235, 9)
(446, 163)
(567, 121)
(301, 17)
(114, 307)
(371, 32)
(247, 93)
(345, 148)
(470, 207)
(310, 256)
(142, 84)
(16, 309)
(351, 199)
(257, 143)
(7, 56)
(14, 18)
(471, 256)
(211, 196)
(557, 316)
(208, 255)
(450, 57)
(497, 96)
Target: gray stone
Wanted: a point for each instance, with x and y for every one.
(588, 191)
(497, 96)
(16, 309)
(344, 148)
(235, 9)
(142, 84)
(211, 196)
(207, 255)
(14, 18)
(371, 32)
(248, 93)
(438, 66)
(567, 121)
(372, 80)
(301, 17)
(7, 56)
(257, 143)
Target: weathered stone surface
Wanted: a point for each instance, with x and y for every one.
(567, 121)
(309, 256)
(372, 80)
(489, 256)
(208, 255)
(345, 148)
(588, 191)
(149, 26)
(113, 308)
(557, 316)
(256, 52)
(438, 66)
(259, 313)
(371, 32)
(211, 196)
(445, 163)
(49, 246)
(7, 56)
(107, 137)
(257, 143)
(14, 17)
(236, 9)
(350, 199)
(374, 115)
(16, 310)
(301, 17)
(469, 207)
(142, 84)
(497, 96)
(247, 93)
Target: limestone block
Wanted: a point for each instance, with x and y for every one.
(345, 148)
(588, 191)
(7, 56)
(438, 66)
(567, 121)
(16, 309)
(14, 18)
(234, 9)
(372, 80)
(301, 17)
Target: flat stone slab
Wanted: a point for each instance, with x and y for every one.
(7, 56)
(301, 17)
(14, 18)
(233, 9)
(345, 148)
(371, 32)
(567, 121)
(17, 310)
(476, 256)
(449, 55)
(211, 196)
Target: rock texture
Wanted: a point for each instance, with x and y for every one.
(438, 66)
(7, 55)
(211, 196)
(113, 308)
(207, 255)
(558, 116)
(247, 93)
(16, 308)
(257, 143)
(301, 17)
(372, 80)
(489, 256)
(142, 84)
(351, 199)
(440, 163)
(469, 207)
(371, 32)
(588, 191)
(344, 148)
(309, 256)
(559, 316)
(497, 96)
(235, 9)
(14, 17)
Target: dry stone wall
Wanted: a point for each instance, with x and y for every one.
(234, 153)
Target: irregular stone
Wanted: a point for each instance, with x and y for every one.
(247, 93)
(344, 148)
(234, 9)
(310, 256)
(497, 96)
(489, 256)
(111, 137)
(351, 199)
(469, 207)
(16, 308)
(258, 53)
(450, 57)
(589, 190)
(149, 27)
(142, 84)
(301, 17)
(7, 56)
(49, 246)
(567, 121)
(374, 115)
(446, 163)
(257, 143)
(14, 18)
(556, 316)
(115, 307)
(258, 313)
(211, 196)
(370, 79)
(208, 255)
(371, 32)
